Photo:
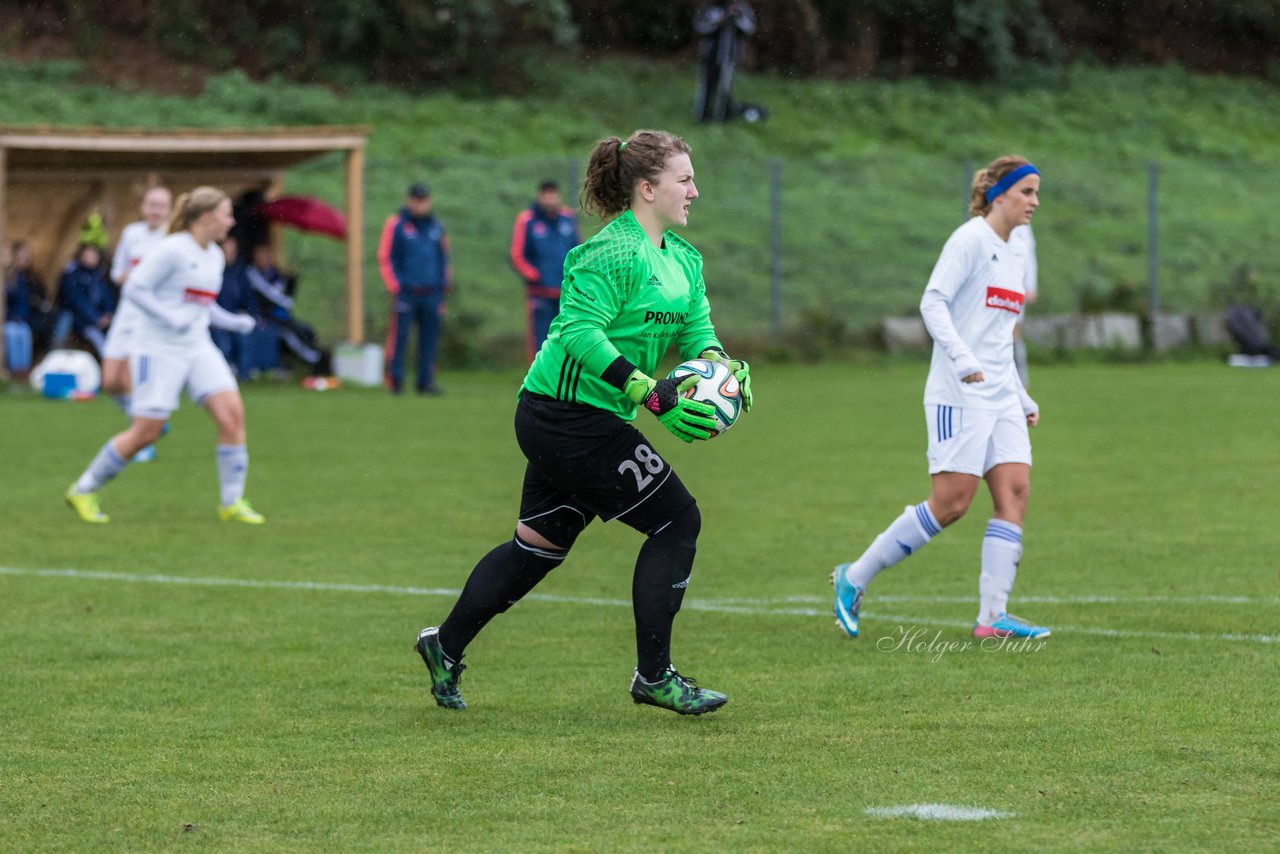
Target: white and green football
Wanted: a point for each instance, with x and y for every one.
(716, 387)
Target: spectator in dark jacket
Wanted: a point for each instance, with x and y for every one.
(275, 307)
(17, 316)
(38, 313)
(543, 235)
(87, 296)
(414, 258)
(237, 298)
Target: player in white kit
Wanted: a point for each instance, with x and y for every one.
(136, 240)
(976, 409)
(175, 288)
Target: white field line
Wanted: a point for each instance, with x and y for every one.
(937, 812)
(757, 607)
(1038, 600)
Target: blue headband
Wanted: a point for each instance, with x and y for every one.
(1009, 180)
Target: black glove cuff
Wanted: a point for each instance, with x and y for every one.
(618, 372)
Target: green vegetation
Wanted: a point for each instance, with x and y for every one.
(873, 178)
(145, 715)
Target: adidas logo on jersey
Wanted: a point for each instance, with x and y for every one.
(655, 282)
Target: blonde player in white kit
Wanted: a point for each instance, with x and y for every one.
(175, 288)
(136, 240)
(976, 409)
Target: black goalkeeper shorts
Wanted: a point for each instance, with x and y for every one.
(593, 462)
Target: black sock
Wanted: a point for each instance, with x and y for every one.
(500, 579)
(657, 589)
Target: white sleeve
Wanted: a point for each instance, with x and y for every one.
(935, 308)
(223, 319)
(141, 287)
(120, 260)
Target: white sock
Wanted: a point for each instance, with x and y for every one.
(233, 468)
(1001, 551)
(906, 535)
(105, 466)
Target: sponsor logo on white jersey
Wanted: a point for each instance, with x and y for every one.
(1004, 299)
(198, 296)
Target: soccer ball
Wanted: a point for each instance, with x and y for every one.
(76, 371)
(716, 387)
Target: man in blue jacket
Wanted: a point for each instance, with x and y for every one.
(543, 235)
(86, 295)
(413, 256)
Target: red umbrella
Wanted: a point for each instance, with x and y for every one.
(307, 214)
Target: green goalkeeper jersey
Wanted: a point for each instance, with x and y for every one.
(622, 297)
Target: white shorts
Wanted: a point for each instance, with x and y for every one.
(974, 441)
(158, 379)
(121, 334)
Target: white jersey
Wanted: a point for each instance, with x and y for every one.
(979, 278)
(136, 241)
(174, 286)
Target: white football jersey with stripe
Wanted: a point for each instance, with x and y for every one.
(183, 280)
(136, 240)
(981, 278)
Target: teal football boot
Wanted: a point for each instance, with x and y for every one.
(848, 601)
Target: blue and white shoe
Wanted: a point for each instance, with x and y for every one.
(146, 455)
(848, 601)
(1009, 626)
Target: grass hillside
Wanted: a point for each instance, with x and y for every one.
(873, 176)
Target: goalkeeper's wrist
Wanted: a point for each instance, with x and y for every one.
(638, 386)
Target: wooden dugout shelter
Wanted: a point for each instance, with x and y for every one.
(52, 178)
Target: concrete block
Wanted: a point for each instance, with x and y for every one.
(1100, 331)
(1211, 330)
(358, 365)
(1170, 331)
(905, 333)
(1048, 330)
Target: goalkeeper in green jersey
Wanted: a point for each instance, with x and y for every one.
(629, 293)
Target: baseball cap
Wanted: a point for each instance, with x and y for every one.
(419, 190)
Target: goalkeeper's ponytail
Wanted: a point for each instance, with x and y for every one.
(615, 167)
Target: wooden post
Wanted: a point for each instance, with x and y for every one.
(355, 245)
(4, 201)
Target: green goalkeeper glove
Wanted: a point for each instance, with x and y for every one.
(687, 419)
(740, 370)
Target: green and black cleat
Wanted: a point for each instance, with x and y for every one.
(680, 694)
(445, 673)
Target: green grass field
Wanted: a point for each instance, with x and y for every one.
(171, 683)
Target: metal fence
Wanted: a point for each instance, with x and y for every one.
(841, 242)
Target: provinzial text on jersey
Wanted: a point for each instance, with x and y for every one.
(665, 317)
